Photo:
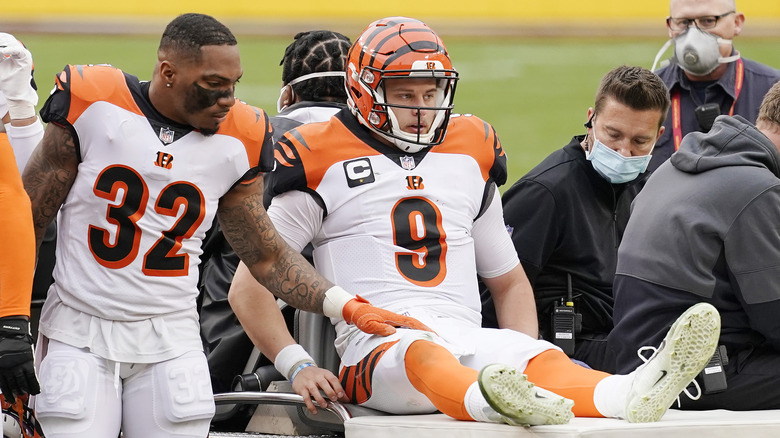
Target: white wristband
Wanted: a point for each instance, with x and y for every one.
(33, 130)
(335, 300)
(23, 140)
(19, 109)
(290, 358)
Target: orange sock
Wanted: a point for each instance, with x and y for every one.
(435, 372)
(554, 371)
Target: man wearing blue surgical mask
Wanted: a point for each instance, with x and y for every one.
(706, 75)
(626, 158)
(567, 215)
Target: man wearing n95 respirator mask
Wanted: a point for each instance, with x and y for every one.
(706, 75)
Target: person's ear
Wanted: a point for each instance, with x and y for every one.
(167, 73)
(589, 118)
(288, 95)
(286, 98)
(739, 21)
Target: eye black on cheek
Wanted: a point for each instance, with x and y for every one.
(205, 98)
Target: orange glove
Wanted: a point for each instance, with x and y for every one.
(376, 321)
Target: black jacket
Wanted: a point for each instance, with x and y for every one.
(565, 218)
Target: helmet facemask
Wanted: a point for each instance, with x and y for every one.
(383, 120)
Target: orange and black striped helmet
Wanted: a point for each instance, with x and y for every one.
(398, 47)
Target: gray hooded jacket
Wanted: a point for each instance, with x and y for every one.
(706, 227)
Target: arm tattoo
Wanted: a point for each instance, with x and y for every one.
(274, 264)
(49, 175)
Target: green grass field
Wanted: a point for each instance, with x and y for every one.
(534, 91)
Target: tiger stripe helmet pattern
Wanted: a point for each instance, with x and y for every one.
(398, 47)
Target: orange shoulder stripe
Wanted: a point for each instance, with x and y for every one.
(93, 83)
(320, 145)
(470, 135)
(250, 125)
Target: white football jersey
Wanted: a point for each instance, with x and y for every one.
(395, 228)
(147, 190)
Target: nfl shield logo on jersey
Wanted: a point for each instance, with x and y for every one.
(407, 162)
(166, 135)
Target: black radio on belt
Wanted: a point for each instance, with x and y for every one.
(713, 376)
(566, 322)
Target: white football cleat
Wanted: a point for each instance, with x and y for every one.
(684, 352)
(519, 402)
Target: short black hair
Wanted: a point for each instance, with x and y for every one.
(187, 33)
(316, 51)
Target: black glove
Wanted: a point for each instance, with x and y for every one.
(17, 373)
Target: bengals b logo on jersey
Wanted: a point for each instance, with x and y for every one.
(414, 182)
(164, 160)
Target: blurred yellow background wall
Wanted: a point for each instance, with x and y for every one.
(309, 9)
(606, 18)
